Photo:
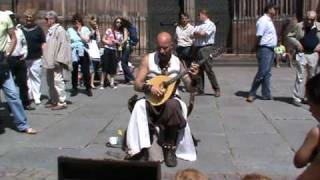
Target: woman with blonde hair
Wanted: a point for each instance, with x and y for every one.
(35, 40)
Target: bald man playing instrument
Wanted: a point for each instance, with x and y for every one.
(156, 70)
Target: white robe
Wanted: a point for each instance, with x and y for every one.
(138, 136)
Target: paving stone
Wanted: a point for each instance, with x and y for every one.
(236, 137)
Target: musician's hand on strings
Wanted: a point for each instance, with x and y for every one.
(194, 70)
(156, 91)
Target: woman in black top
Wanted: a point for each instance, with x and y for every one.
(35, 40)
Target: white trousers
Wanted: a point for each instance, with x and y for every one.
(138, 136)
(306, 63)
(34, 71)
(57, 87)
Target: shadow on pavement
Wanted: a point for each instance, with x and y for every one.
(287, 100)
(242, 94)
(6, 121)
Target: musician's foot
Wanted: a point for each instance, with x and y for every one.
(143, 155)
(169, 153)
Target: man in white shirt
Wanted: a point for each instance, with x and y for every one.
(18, 65)
(204, 39)
(266, 41)
(183, 34)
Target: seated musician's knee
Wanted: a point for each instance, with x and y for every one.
(140, 104)
(173, 104)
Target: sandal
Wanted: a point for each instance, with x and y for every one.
(30, 131)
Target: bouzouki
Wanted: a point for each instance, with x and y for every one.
(168, 84)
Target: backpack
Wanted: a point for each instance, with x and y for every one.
(133, 35)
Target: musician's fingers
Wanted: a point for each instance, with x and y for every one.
(160, 93)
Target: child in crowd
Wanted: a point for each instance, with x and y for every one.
(282, 55)
(308, 153)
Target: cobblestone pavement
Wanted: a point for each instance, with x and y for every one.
(236, 137)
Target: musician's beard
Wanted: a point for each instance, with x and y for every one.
(164, 58)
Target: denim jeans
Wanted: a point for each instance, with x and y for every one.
(265, 58)
(184, 53)
(14, 102)
(128, 76)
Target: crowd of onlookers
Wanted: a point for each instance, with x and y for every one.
(29, 50)
(76, 49)
(26, 50)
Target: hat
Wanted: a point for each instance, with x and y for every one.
(51, 14)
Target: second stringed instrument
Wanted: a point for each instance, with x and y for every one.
(168, 84)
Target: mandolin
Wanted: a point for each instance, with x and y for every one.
(168, 84)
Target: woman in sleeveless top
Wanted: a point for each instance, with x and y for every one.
(114, 42)
(308, 153)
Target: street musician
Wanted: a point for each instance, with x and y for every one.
(170, 117)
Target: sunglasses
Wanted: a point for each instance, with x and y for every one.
(118, 22)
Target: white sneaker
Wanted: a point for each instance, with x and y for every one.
(101, 87)
(37, 102)
(113, 86)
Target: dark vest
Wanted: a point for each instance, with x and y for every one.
(310, 40)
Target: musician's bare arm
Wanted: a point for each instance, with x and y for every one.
(189, 80)
(141, 76)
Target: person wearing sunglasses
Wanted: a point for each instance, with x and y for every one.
(114, 40)
(305, 37)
